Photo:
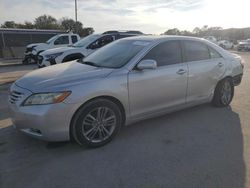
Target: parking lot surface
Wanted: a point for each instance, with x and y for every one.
(199, 147)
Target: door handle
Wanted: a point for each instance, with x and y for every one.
(181, 71)
(220, 64)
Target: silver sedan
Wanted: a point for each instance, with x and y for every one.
(126, 81)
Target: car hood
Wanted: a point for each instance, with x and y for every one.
(34, 44)
(61, 76)
(57, 50)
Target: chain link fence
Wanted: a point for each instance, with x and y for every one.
(14, 41)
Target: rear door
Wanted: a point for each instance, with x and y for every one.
(206, 66)
(154, 90)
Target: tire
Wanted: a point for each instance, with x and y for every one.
(89, 130)
(223, 93)
(28, 61)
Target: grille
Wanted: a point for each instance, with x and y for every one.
(15, 96)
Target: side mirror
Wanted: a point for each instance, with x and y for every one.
(147, 64)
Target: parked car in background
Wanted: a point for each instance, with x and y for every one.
(243, 46)
(82, 48)
(225, 44)
(61, 40)
(126, 81)
(211, 39)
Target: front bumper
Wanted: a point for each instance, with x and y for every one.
(42, 62)
(46, 122)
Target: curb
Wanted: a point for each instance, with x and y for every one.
(11, 65)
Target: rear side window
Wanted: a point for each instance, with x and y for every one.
(74, 39)
(213, 53)
(166, 53)
(195, 51)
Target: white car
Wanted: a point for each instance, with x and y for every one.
(211, 39)
(225, 44)
(82, 48)
(61, 40)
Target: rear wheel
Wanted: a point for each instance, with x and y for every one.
(223, 93)
(96, 123)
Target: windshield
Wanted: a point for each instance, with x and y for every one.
(86, 40)
(115, 54)
(51, 39)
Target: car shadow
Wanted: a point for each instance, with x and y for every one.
(197, 147)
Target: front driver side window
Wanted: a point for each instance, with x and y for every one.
(62, 40)
(166, 53)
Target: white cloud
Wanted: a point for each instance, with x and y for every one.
(148, 16)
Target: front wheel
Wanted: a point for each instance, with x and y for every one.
(96, 123)
(28, 60)
(223, 93)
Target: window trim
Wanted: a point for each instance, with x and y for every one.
(160, 42)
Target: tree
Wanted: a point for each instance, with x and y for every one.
(49, 22)
(46, 22)
(173, 31)
(67, 24)
(26, 25)
(197, 31)
(76, 27)
(86, 31)
(9, 24)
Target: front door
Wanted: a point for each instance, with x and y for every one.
(157, 89)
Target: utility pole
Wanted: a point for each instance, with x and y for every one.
(76, 10)
(76, 16)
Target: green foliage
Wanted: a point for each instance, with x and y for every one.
(49, 22)
(8, 24)
(46, 22)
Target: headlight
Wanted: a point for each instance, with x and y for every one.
(46, 98)
(53, 56)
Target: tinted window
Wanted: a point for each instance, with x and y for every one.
(196, 51)
(105, 40)
(74, 39)
(101, 42)
(62, 40)
(166, 53)
(214, 53)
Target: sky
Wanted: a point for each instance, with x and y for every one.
(148, 16)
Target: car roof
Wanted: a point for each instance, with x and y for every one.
(158, 38)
